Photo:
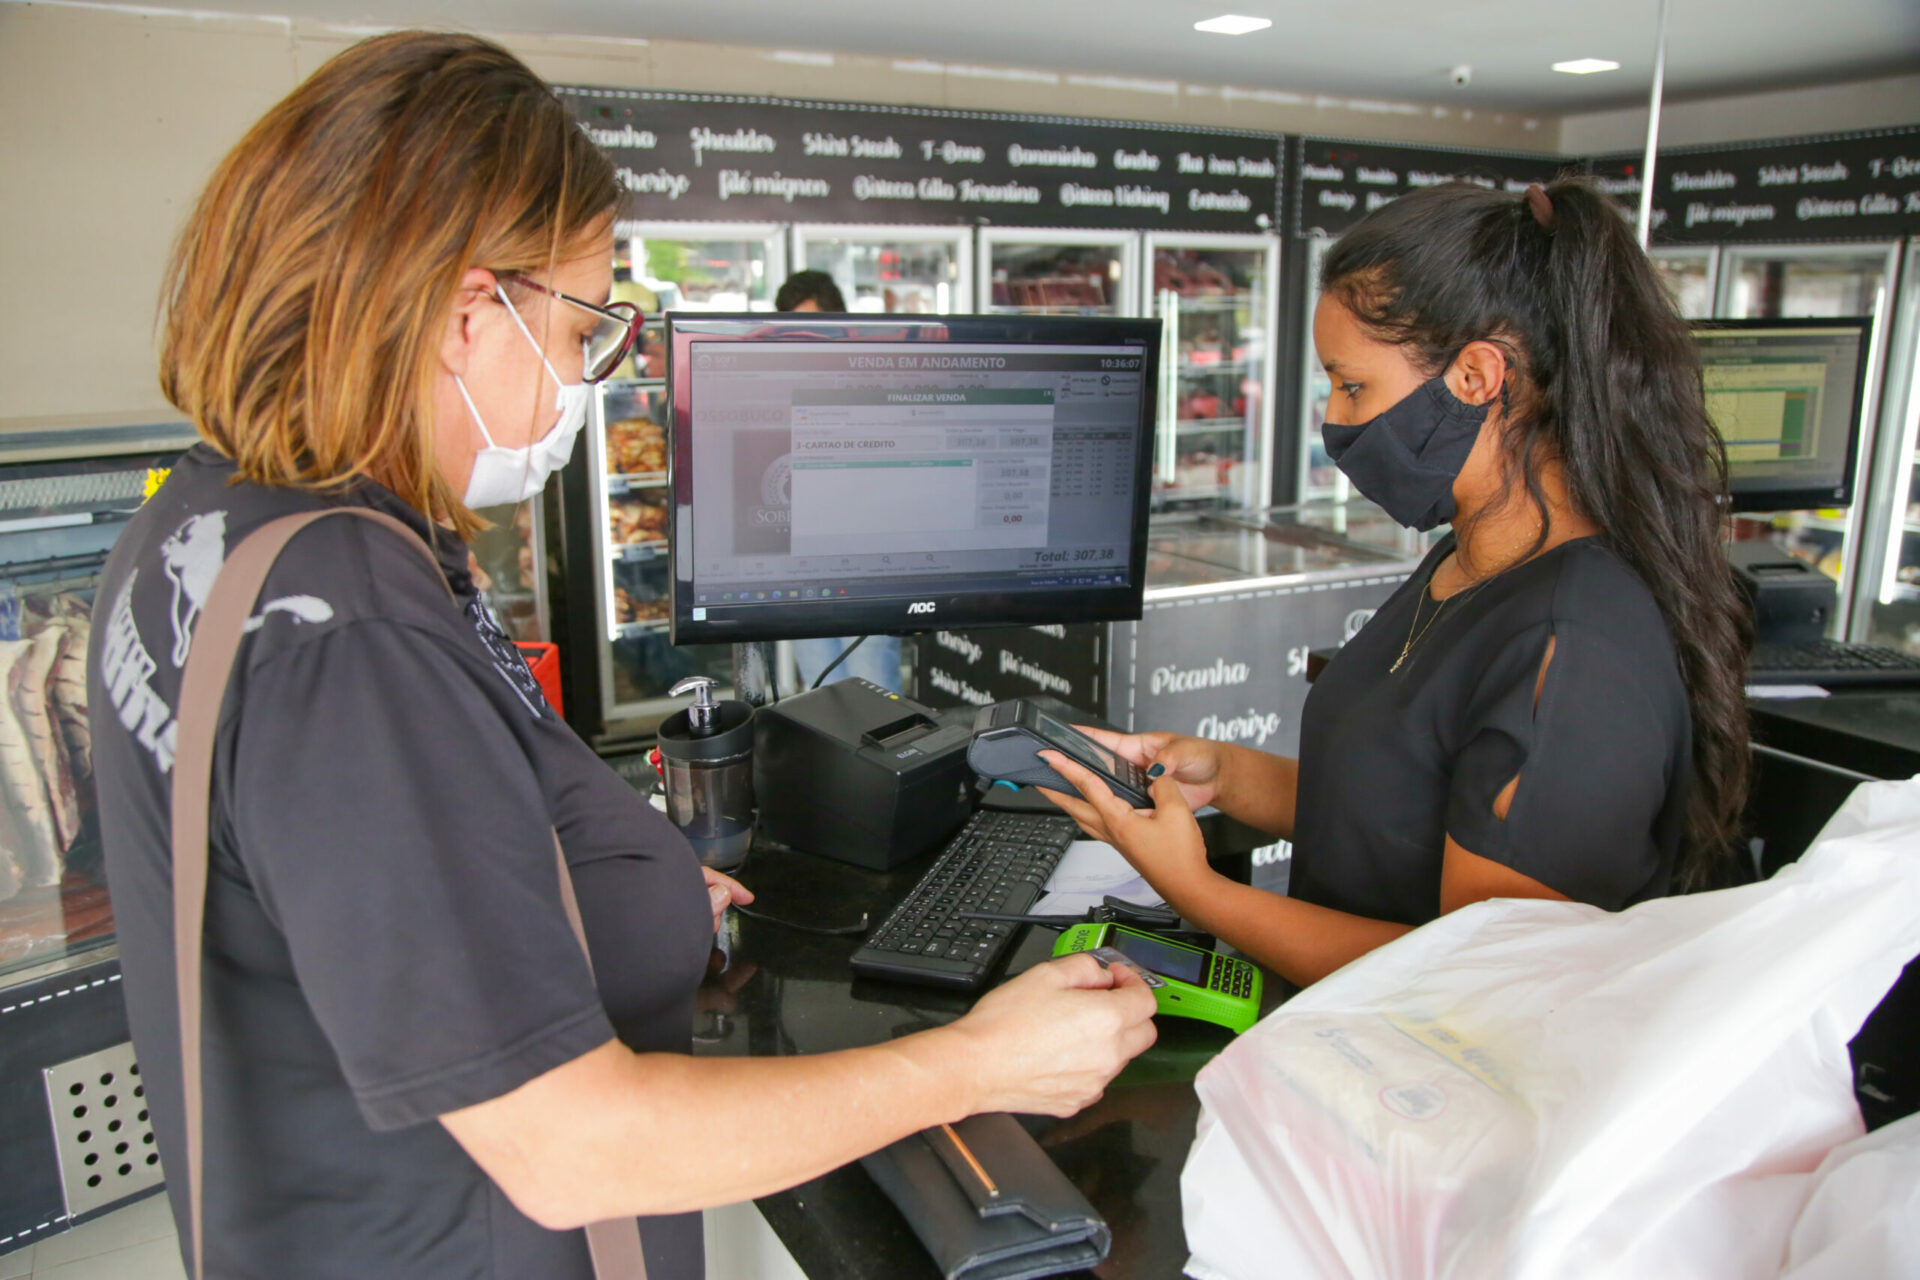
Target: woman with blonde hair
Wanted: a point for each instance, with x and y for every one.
(392, 295)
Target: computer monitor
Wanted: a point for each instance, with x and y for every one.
(856, 475)
(1786, 397)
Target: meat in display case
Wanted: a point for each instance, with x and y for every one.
(1053, 272)
(58, 520)
(1216, 295)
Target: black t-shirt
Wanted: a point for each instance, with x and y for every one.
(1393, 762)
(385, 940)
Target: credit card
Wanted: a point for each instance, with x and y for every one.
(1110, 956)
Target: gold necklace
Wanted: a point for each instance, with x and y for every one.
(1414, 637)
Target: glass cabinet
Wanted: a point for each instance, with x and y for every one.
(1320, 480)
(620, 569)
(1689, 275)
(920, 271)
(1888, 608)
(1216, 296)
(1052, 272)
(60, 512)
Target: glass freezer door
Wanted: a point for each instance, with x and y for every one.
(693, 266)
(1888, 609)
(1797, 281)
(1689, 275)
(1053, 272)
(631, 505)
(925, 271)
(1216, 296)
(58, 521)
(1320, 480)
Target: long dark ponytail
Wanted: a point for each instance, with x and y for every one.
(1605, 380)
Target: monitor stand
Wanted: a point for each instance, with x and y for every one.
(753, 672)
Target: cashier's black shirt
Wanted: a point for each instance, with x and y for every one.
(385, 940)
(1393, 762)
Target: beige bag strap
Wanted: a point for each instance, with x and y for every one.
(615, 1243)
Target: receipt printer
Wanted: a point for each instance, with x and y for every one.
(1791, 600)
(853, 772)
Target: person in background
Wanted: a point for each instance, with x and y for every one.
(878, 657)
(392, 295)
(809, 291)
(1552, 706)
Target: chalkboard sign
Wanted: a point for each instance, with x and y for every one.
(1857, 186)
(706, 157)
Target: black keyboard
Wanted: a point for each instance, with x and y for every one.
(1825, 662)
(997, 863)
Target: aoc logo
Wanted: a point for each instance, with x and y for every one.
(920, 606)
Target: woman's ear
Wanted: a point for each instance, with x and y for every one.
(462, 336)
(1478, 373)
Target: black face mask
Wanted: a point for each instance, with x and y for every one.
(1407, 459)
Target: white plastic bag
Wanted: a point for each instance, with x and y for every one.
(1862, 1216)
(1544, 1089)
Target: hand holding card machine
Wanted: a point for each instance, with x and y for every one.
(1008, 738)
(1197, 984)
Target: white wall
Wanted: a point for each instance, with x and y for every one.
(111, 120)
(1866, 104)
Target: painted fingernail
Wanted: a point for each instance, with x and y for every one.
(1154, 771)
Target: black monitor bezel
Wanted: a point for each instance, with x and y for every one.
(1803, 498)
(791, 621)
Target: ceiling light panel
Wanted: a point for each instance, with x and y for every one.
(1586, 66)
(1233, 24)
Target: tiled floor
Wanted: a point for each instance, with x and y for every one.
(135, 1243)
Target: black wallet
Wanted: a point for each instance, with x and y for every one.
(988, 1203)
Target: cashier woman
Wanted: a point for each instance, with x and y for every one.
(1551, 706)
(391, 294)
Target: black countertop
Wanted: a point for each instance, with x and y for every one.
(784, 991)
(1870, 731)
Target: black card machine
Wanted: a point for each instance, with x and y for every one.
(1008, 738)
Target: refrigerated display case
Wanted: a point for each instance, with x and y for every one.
(1810, 281)
(1689, 275)
(1217, 296)
(65, 496)
(509, 565)
(896, 270)
(1320, 480)
(1887, 610)
(1038, 271)
(693, 266)
(618, 569)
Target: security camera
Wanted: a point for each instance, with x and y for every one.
(1461, 75)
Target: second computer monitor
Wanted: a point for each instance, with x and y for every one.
(841, 475)
(1786, 397)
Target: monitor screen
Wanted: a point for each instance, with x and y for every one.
(849, 475)
(1786, 396)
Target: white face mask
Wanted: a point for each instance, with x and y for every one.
(505, 476)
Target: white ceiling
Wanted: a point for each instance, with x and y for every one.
(1399, 50)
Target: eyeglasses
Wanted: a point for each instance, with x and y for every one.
(616, 329)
